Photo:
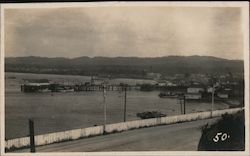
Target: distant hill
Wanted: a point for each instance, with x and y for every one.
(123, 66)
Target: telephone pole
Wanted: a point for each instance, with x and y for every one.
(125, 103)
(104, 107)
(212, 105)
(183, 101)
(184, 104)
(181, 105)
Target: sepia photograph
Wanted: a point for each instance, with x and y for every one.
(119, 77)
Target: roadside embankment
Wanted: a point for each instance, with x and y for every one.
(50, 138)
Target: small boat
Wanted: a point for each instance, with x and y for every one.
(66, 90)
(168, 95)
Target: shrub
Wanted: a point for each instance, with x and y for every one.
(227, 134)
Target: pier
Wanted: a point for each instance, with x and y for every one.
(54, 87)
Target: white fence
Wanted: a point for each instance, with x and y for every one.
(117, 127)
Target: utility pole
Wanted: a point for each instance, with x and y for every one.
(184, 104)
(32, 136)
(181, 105)
(105, 107)
(212, 105)
(125, 103)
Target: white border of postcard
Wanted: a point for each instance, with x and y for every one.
(245, 26)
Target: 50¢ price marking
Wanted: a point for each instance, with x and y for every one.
(221, 136)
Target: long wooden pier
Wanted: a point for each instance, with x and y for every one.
(107, 87)
(76, 87)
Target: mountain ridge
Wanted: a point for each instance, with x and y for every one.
(169, 56)
(123, 65)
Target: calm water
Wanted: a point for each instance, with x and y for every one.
(65, 111)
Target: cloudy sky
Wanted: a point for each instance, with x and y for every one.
(124, 31)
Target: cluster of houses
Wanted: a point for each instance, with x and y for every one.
(199, 86)
(196, 92)
(224, 88)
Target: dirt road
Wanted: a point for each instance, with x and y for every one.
(175, 137)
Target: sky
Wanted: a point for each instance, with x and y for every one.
(140, 31)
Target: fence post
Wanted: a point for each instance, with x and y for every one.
(32, 136)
